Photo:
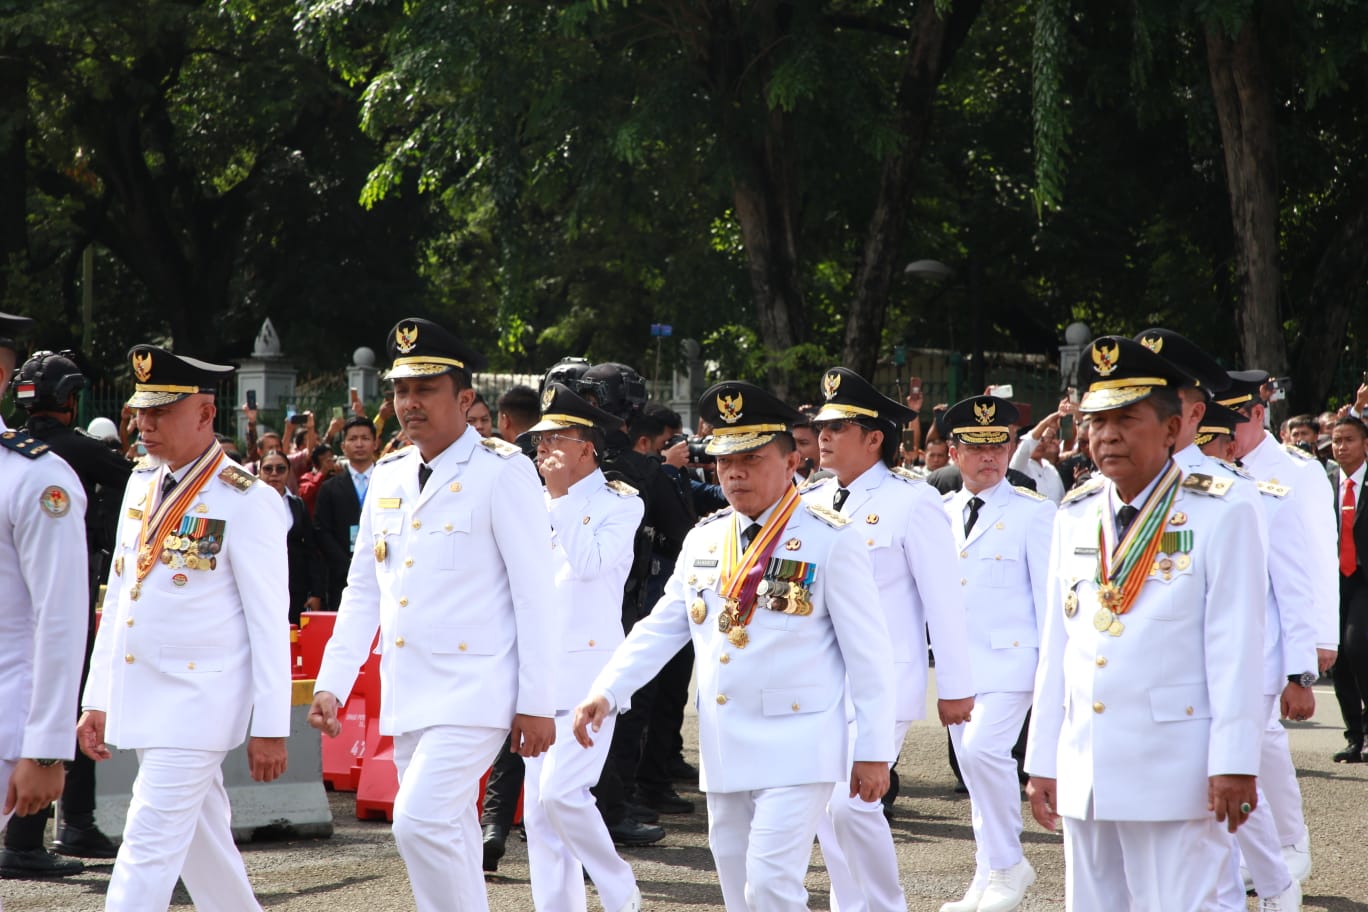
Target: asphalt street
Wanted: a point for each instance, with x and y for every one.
(358, 869)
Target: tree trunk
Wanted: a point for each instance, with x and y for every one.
(1243, 93)
(931, 49)
(1339, 288)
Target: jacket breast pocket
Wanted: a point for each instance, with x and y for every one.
(1179, 703)
(449, 536)
(764, 619)
(473, 641)
(190, 660)
(794, 701)
(1013, 639)
(997, 570)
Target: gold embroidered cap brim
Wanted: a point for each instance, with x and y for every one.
(559, 423)
(981, 436)
(1202, 437)
(155, 397)
(405, 368)
(740, 440)
(1112, 397)
(835, 411)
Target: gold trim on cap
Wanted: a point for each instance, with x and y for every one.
(1112, 396)
(979, 436)
(1204, 436)
(569, 419)
(844, 411)
(736, 442)
(1238, 400)
(426, 359)
(749, 429)
(164, 388)
(975, 428)
(1208, 429)
(1125, 382)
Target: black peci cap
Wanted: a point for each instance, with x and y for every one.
(743, 417)
(1206, 374)
(162, 378)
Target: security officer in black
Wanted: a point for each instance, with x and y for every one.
(46, 386)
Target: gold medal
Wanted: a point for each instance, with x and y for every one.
(192, 561)
(724, 621)
(1177, 519)
(780, 603)
(169, 543)
(380, 551)
(166, 557)
(738, 637)
(1165, 565)
(1103, 620)
(1183, 562)
(698, 611)
(1071, 604)
(1116, 628)
(792, 544)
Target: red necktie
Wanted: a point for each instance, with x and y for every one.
(1348, 553)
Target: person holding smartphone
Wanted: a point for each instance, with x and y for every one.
(1037, 453)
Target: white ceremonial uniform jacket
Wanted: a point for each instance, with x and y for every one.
(458, 581)
(1132, 726)
(772, 714)
(43, 609)
(901, 522)
(1311, 490)
(200, 651)
(1004, 565)
(1046, 476)
(593, 527)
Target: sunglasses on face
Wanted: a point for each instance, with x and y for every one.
(274, 469)
(550, 439)
(838, 425)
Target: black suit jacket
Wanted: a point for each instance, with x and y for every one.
(335, 512)
(307, 577)
(1360, 524)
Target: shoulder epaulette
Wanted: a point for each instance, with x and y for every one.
(907, 475)
(1205, 484)
(828, 515)
(500, 447)
(1235, 470)
(237, 478)
(810, 485)
(397, 454)
(1272, 489)
(144, 465)
(716, 514)
(1087, 489)
(23, 444)
(1297, 451)
(623, 489)
(1027, 492)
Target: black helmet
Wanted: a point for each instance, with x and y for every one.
(567, 371)
(47, 380)
(614, 388)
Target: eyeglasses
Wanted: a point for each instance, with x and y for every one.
(538, 439)
(837, 425)
(274, 469)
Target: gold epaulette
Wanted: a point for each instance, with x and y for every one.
(23, 444)
(1027, 492)
(828, 515)
(397, 454)
(1205, 484)
(715, 514)
(1087, 489)
(810, 485)
(1297, 451)
(500, 447)
(1236, 470)
(237, 478)
(1272, 489)
(622, 489)
(907, 475)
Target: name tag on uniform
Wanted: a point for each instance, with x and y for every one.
(705, 562)
(134, 513)
(389, 503)
(1089, 552)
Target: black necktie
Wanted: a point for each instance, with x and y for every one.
(168, 485)
(1124, 517)
(424, 473)
(839, 500)
(974, 504)
(748, 536)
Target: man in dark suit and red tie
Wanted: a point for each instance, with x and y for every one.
(1349, 445)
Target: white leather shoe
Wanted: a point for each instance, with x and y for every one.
(633, 904)
(1290, 900)
(972, 897)
(1007, 887)
(1298, 858)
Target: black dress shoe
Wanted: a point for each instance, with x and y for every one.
(495, 844)
(27, 863)
(1352, 753)
(666, 802)
(683, 771)
(84, 841)
(631, 832)
(642, 814)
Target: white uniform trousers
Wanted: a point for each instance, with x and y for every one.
(761, 843)
(1278, 780)
(565, 833)
(983, 746)
(179, 825)
(857, 848)
(1151, 866)
(436, 828)
(6, 770)
(1258, 839)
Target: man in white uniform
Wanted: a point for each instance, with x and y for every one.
(593, 525)
(779, 600)
(43, 612)
(1146, 719)
(194, 643)
(451, 566)
(900, 520)
(1002, 537)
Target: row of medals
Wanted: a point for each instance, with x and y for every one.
(771, 595)
(179, 551)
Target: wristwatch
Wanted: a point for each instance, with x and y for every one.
(1305, 679)
(45, 762)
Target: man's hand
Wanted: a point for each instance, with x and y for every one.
(323, 714)
(869, 780)
(1226, 794)
(90, 735)
(953, 712)
(313, 603)
(1361, 398)
(250, 414)
(386, 409)
(1298, 703)
(555, 473)
(590, 714)
(914, 394)
(1325, 658)
(677, 455)
(267, 758)
(32, 787)
(1041, 793)
(532, 735)
(357, 406)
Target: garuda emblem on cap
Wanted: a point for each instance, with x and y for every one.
(142, 366)
(729, 407)
(1106, 359)
(548, 397)
(984, 412)
(1153, 343)
(830, 384)
(405, 338)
